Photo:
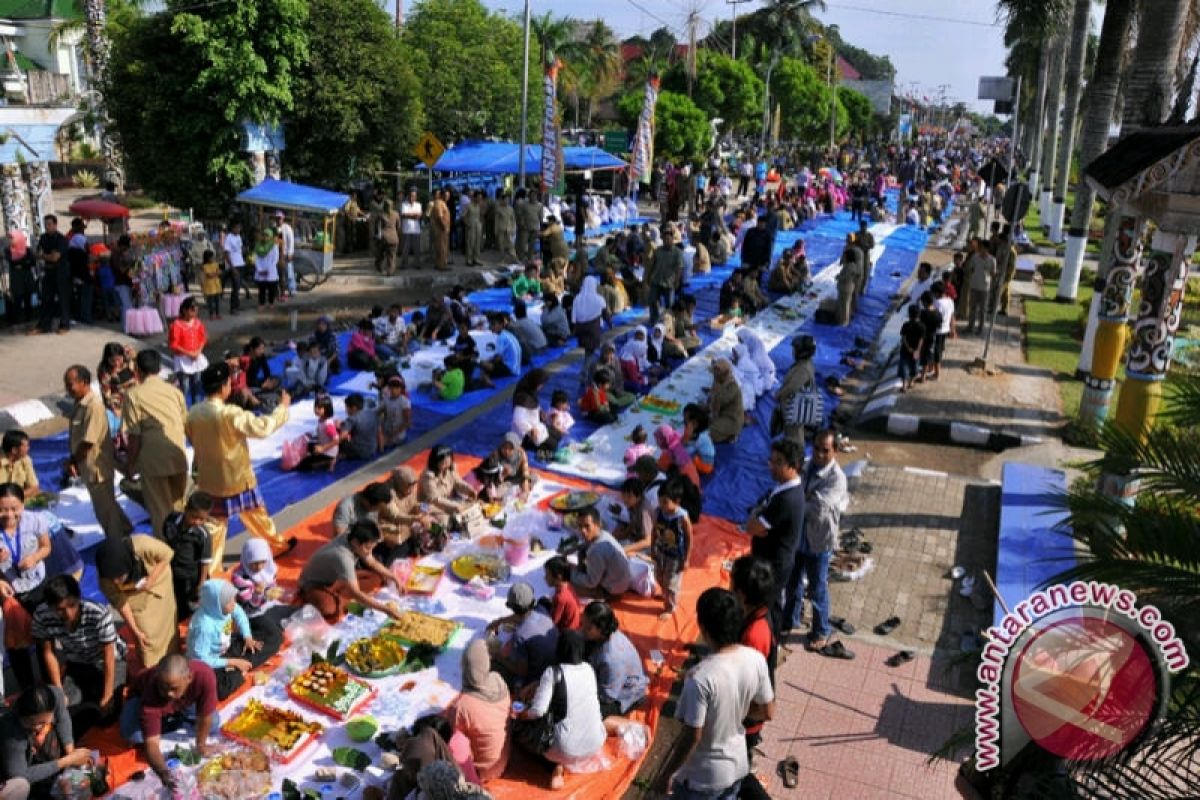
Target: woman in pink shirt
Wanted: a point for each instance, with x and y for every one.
(361, 353)
(481, 712)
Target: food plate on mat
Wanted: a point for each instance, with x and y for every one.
(375, 657)
(413, 628)
(241, 774)
(574, 501)
(491, 567)
(330, 690)
(279, 732)
(424, 579)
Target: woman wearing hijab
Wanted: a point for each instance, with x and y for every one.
(588, 312)
(441, 781)
(726, 412)
(481, 712)
(135, 576)
(21, 264)
(221, 635)
(758, 353)
(635, 359)
(799, 378)
(673, 451)
(657, 345)
(255, 580)
(748, 378)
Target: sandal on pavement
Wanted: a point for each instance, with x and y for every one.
(837, 650)
(903, 657)
(887, 626)
(842, 625)
(789, 771)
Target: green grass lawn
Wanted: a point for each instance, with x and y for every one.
(1033, 226)
(1052, 332)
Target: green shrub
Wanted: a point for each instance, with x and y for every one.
(86, 179)
(1050, 270)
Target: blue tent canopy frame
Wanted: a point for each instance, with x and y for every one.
(503, 158)
(294, 197)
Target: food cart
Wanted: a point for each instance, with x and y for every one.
(312, 213)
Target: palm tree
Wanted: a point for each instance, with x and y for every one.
(1100, 104)
(94, 22)
(553, 33)
(788, 20)
(1073, 86)
(602, 63)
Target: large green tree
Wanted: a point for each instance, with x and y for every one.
(182, 82)
(859, 113)
(804, 98)
(469, 61)
(358, 106)
(681, 130)
(724, 88)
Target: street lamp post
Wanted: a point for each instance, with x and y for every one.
(762, 140)
(832, 100)
(524, 104)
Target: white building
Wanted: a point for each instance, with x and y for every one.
(45, 50)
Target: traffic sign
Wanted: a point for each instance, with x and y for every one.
(429, 149)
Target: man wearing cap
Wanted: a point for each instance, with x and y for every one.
(287, 252)
(218, 432)
(532, 647)
(603, 569)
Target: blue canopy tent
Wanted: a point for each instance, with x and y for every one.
(294, 197)
(297, 198)
(503, 158)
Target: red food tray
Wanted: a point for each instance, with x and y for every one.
(306, 741)
(371, 694)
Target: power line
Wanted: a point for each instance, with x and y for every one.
(927, 17)
(650, 13)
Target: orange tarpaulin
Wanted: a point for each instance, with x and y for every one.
(715, 542)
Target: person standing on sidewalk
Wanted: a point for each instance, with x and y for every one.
(287, 255)
(410, 230)
(981, 271)
(776, 521)
(235, 262)
(153, 415)
(91, 452)
(55, 294)
(439, 230)
(219, 433)
(1006, 270)
(472, 220)
(825, 498)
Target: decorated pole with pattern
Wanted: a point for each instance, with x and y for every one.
(643, 139)
(550, 126)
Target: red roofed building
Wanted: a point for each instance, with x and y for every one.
(846, 70)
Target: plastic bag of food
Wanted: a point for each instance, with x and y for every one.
(307, 629)
(632, 740)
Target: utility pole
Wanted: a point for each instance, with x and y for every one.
(524, 104)
(733, 47)
(399, 15)
(832, 100)
(693, 20)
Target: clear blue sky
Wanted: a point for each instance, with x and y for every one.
(929, 52)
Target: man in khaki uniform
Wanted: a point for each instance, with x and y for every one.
(439, 230)
(218, 432)
(529, 225)
(91, 455)
(506, 228)
(472, 217)
(154, 414)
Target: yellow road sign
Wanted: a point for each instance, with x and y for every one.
(429, 149)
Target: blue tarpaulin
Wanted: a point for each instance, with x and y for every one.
(503, 158)
(294, 197)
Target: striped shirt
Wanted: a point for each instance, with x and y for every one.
(85, 644)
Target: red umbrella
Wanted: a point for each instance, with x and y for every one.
(98, 209)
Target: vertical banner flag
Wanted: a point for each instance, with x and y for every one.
(550, 155)
(643, 139)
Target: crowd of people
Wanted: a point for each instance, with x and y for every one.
(556, 677)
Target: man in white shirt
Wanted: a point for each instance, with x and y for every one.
(287, 252)
(730, 686)
(235, 261)
(410, 230)
(945, 307)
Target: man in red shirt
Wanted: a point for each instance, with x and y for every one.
(753, 583)
(160, 699)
